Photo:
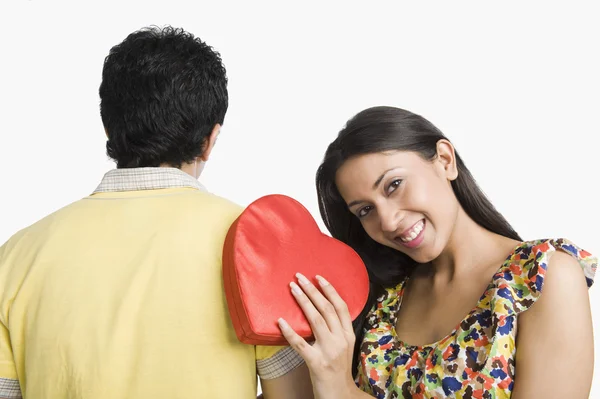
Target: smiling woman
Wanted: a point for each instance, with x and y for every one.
(392, 210)
(451, 280)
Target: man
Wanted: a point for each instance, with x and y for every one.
(119, 295)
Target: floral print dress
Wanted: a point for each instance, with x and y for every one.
(477, 359)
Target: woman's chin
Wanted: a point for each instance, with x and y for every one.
(424, 253)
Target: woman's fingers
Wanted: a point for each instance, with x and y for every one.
(318, 325)
(298, 343)
(331, 326)
(325, 308)
(338, 303)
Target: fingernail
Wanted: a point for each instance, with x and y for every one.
(322, 281)
(282, 323)
(302, 279)
(295, 289)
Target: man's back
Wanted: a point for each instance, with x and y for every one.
(119, 295)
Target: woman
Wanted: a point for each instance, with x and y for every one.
(393, 188)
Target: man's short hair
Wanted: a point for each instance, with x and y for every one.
(162, 92)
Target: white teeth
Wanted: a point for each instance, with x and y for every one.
(413, 233)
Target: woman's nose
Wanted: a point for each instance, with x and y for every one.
(390, 219)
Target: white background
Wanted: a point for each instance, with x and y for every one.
(515, 86)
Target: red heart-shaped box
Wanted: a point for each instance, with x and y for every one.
(274, 238)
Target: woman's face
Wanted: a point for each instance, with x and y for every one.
(402, 200)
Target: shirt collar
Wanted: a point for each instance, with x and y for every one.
(137, 179)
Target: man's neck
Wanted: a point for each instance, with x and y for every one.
(188, 168)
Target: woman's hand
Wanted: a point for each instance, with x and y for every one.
(329, 359)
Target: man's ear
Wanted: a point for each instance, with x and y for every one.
(447, 159)
(210, 143)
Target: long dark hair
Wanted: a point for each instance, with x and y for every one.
(381, 129)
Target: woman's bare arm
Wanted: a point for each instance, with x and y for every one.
(555, 346)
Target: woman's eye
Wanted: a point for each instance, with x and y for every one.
(394, 185)
(362, 212)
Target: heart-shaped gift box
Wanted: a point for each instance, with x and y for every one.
(274, 238)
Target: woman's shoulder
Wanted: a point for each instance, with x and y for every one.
(530, 258)
(521, 279)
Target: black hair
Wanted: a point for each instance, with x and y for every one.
(162, 92)
(380, 129)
